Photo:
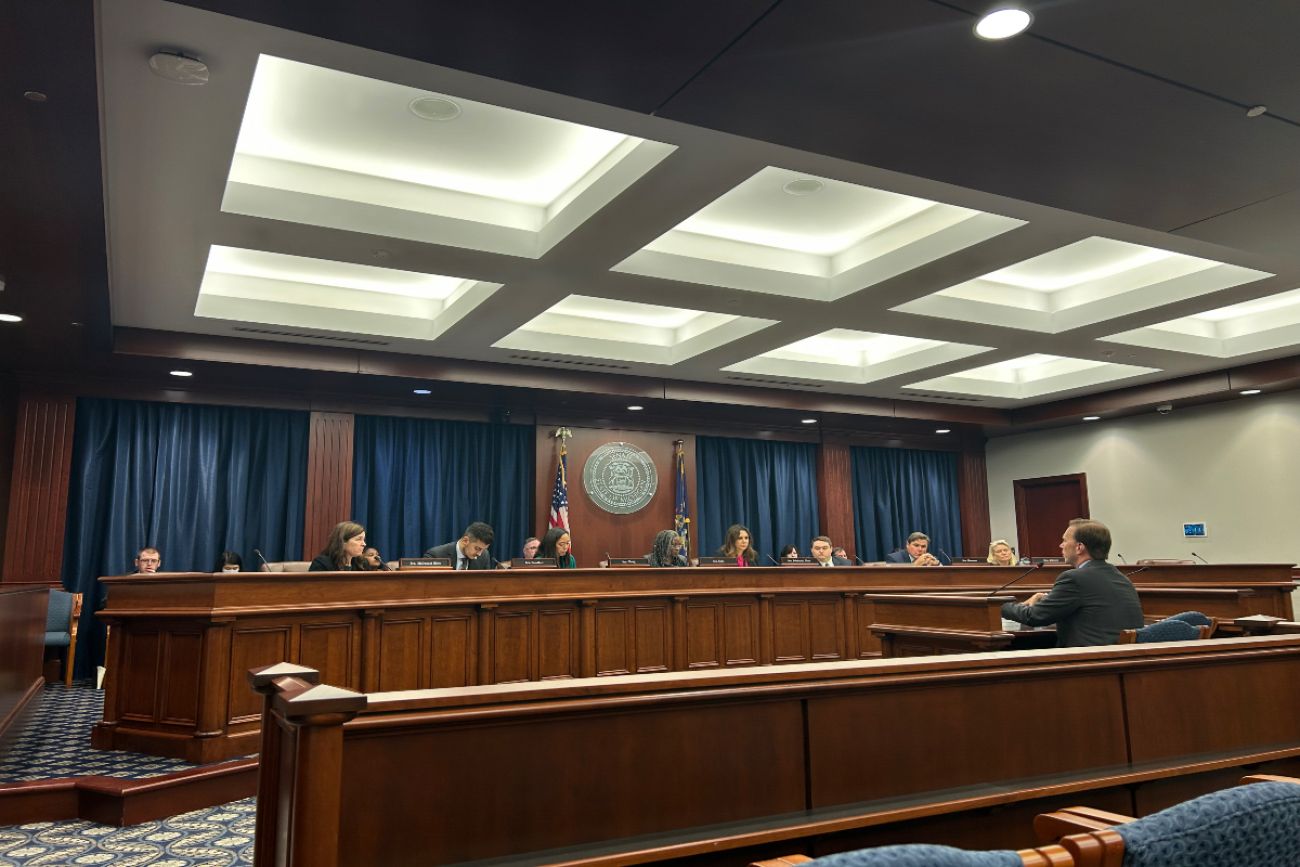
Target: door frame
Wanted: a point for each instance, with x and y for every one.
(1019, 486)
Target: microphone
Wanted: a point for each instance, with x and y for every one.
(1202, 559)
(263, 559)
(1121, 558)
(773, 559)
(608, 558)
(946, 554)
(1033, 568)
(861, 562)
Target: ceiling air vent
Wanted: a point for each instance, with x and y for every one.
(943, 397)
(567, 362)
(268, 332)
(787, 383)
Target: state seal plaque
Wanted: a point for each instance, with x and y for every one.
(620, 478)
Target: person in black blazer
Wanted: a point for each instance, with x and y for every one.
(821, 551)
(1091, 603)
(916, 553)
(739, 545)
(345, 543)
(470, 551)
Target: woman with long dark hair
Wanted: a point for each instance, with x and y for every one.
(739, 546)
(346, 542)
(667, 550)
(556, 544)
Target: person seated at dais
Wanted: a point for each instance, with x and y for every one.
(788, 551)
(822, 552)
(370, 561)
(917, 552)
(229, 561)
(531, 544)
(555, 545)
(148, 561)
(470, 551)
(666, 550)
(739, 546)
(1000, 553)
(345, 543)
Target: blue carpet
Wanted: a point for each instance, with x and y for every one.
(55, 742)
(214, 837)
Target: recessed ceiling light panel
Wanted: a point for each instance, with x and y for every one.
(10, 317)
(1003, 23)
(1030, 376)
(858, 357)
(1265, 324)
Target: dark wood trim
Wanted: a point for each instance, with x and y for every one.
(973, 499)
(38, 496)
(1019, 485)
(835, 495)
(113, 801)
(329, 478)
(8, 431)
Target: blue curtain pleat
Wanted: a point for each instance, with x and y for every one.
(770, 487)
(899, 491)
(419, 482)
(192, 481)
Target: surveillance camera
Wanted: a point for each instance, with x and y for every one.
(1165, 408)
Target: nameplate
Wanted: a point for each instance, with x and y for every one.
(1047, 561)
(798, 561)
(972, 561)
(533, 563)
(424, 563)
(717, 561)
(624, 562)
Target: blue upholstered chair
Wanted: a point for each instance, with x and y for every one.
(926, 855)
(61, 627)
(1256, 825)
(1195, 618)
(1161, 630)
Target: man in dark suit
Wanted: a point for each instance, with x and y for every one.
(468, 552)
(821, 551)
(1091, 603)
(916, 553)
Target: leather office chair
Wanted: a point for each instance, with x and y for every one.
(287, 566)
(926, 855)
(1161, 630)
(1257, 825)
(61, 620)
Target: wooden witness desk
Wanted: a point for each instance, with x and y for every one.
(181, 641)
(809, 758)
(22, 646)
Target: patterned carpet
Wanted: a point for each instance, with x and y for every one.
(55, 742)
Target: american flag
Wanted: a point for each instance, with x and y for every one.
(560, 496)
(682, 509)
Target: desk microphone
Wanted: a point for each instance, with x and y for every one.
(1121, 558)
(773, 559)
(608, 559)
(1033, 568)
(266, 565)
(946, 554)
(1129, 575)
(1199, 557)
(861, 562)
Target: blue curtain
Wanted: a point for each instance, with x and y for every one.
(192, 481)
(770, 487)
(419, 482)
(899, 491)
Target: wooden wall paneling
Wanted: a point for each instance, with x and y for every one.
(973, 499)
(652, 635)
(402, 637)
(825, 621)
(613, 638)
(558, 642)
(702, 628)
(329, 478)
(511, 649)
(182, 656)
(251, 646)
(38, 491)
(8, 430)
(453, 648)
(22, 645)
(835, 496)
(140, 662)
(790, 630)
(740, 631)
(333, 648)
(594, 530)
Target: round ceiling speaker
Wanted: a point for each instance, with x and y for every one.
(803, 187)
(434, 108)
(179, 69)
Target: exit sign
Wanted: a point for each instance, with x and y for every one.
(1195, 530)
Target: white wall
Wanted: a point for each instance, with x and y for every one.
(1234, 465)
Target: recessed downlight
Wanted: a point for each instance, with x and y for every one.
(182, 373)
(1256, 110)
(10, 317)
(434, 108)
(1092, 418)
(944, 430)
(809, 421)
(421, 391)
(635, 408)
(1248, 392)
(1003, 23)
(34, 96)
(803, 187)
(179, 69)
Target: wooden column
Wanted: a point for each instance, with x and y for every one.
(835, 496)
(329, 478)
(38, 494)
(973, 499)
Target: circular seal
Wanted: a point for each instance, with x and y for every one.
(620, 478)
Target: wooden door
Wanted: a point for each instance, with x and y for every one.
(1044, 507)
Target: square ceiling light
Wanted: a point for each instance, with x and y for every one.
(333, 149)
(1031, 376)
(787, 233)
(1239, 329)
(842, 355)
(1085, 282)
(580, 325)
(297, 292)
